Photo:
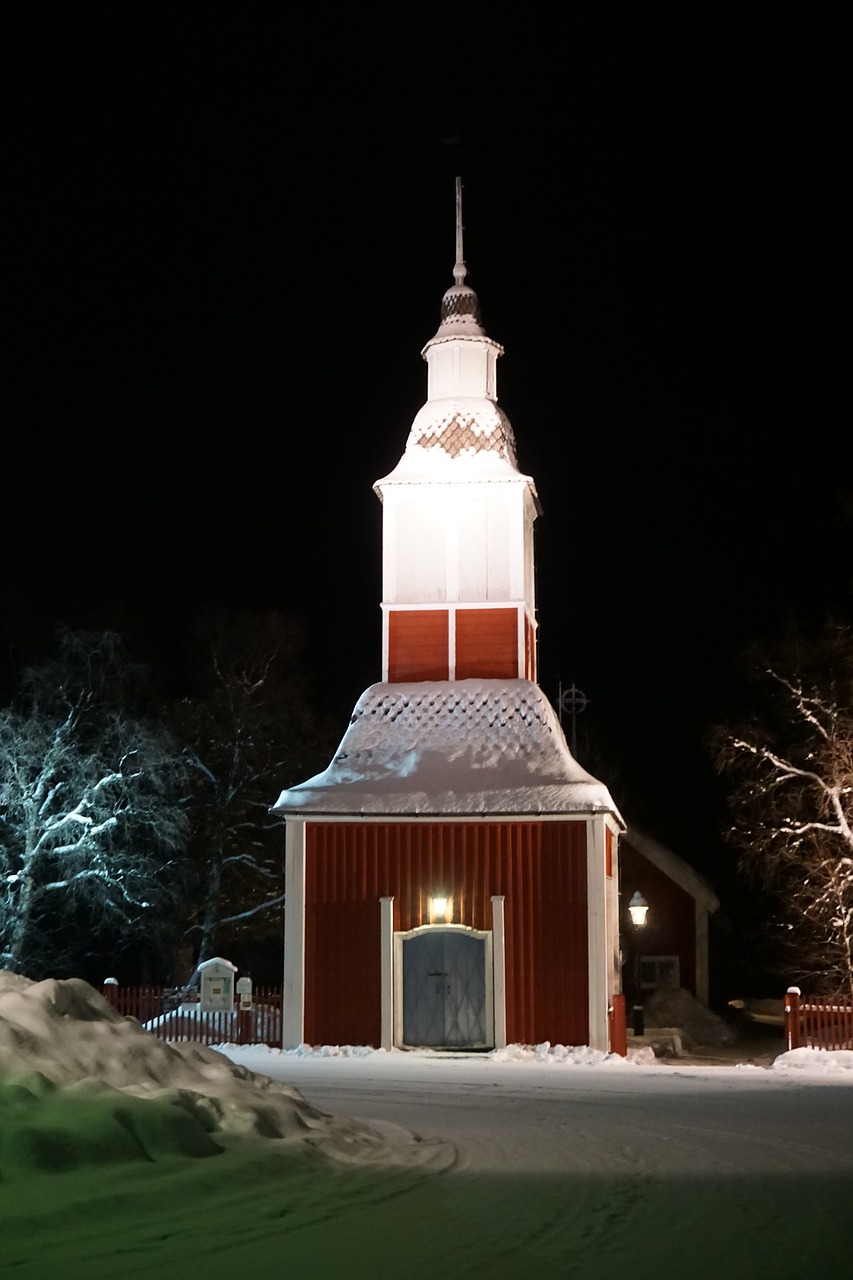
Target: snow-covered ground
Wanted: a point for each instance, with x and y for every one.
(120, 1155)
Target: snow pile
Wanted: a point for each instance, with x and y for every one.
(678, 1008)
(575, 1056)
(82, 1085)
(823, 1060)
(314, 1051)
(546, 1053)
(337, 1050)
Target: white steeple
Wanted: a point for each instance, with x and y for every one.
(461, 417)
(461, 357)
(458, 515)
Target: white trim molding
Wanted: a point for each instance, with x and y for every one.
(598, 954)
(386, 949)
(499, 969)
(293, 993)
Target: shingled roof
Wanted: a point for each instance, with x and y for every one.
(445, 747)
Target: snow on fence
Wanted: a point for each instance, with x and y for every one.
(817, 1022)
(176, 1015)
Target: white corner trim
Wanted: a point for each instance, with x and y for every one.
(598, 951)
(293, 994)
(386, 945)
(499, 969)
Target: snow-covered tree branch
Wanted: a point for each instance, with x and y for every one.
(792, 799)
(90, 813)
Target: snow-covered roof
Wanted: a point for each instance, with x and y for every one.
(451, 747)
(464, 447)
(461, 422)
(674, 867)
(462, 427)
(460, 317)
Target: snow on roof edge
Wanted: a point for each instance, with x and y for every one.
(674, 866)
(375, 806)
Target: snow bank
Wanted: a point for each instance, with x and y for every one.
(80, 1084)
(678, 1008)
(575, 1056)
(545, 1053)
(827, 1061)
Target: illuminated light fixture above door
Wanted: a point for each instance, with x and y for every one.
(440, 910)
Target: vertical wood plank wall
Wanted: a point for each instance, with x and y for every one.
(487, 644)
(417, 645)
(539, 867)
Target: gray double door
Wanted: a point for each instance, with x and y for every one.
(444, 990)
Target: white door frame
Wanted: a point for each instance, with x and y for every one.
(400, 938)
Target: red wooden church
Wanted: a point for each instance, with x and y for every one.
(452, 875)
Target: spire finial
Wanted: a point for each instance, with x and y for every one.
(460, 271)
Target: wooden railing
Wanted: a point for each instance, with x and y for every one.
(175, 1015)
(817, 1022)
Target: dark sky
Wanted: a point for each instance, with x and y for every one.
(232, 227)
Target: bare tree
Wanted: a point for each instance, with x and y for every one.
(793, 802)
(249, 731)
(90, 814)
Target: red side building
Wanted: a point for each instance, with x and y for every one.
(452, 876)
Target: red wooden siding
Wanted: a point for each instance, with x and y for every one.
(487, 643)
(540, 868)
(417, 645)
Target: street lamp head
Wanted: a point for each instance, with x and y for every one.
(638, 909)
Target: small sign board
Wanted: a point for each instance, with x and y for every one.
(217, 984)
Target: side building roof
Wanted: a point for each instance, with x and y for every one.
(679, 871)
(451, 748)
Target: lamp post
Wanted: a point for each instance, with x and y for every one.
(638, 909)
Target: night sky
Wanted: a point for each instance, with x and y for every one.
(232, 226)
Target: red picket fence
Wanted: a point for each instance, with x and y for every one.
(176, 1015)
(817, 1022)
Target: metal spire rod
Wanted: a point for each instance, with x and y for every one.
(460, 270)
